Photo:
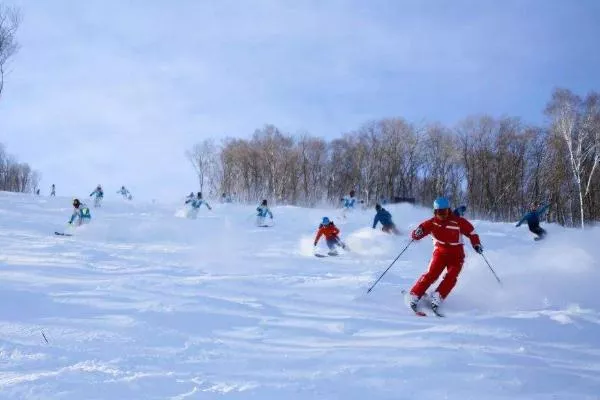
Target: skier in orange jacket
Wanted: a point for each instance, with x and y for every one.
(331, 232)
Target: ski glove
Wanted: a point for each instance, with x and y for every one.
(478, 248)
(417, 233)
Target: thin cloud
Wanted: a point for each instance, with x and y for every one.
(116, 91)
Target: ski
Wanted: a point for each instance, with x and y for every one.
(425, 299)
(437, 312)
(63, 234)
(325, 255)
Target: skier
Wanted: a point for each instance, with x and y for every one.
(448, 253)
(98, 196)
(460, 211)
(81, 213)
(125, 193)
(349, 201)
(533, 220)
(53, 190)
(385, 218)
(195, 205)
(263, 211)
(331, 233)
(225, 198)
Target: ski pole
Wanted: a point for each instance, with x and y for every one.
(491, 269)
(384, 272)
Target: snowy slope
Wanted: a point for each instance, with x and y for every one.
(141, 304)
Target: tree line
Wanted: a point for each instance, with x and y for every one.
(498, 167)
(16, 176)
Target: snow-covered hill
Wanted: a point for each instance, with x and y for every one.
(141, 304)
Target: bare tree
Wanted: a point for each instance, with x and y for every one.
(441, 170)
(313, 164)
(204, 158)
(15, 176)
(9, 22)
(577, 123)
(495, 165)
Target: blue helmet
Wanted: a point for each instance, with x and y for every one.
(325, 221)
(441, 203)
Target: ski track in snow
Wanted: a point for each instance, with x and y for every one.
(141, 304)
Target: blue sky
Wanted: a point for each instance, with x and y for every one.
(115, 91)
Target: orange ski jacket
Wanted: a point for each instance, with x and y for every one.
(330, 231)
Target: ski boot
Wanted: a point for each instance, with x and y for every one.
(414, 302)
(436, 301)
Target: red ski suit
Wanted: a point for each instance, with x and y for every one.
(448, 252)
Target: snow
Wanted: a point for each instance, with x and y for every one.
(141, 304)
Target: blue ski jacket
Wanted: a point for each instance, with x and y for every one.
(349, 202)
(460, 211)
(196, 203)
(384, 217)
(97, 193)
(83, 213)
(263, 211)
(533, 217)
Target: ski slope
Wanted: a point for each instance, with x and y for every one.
(141, 304)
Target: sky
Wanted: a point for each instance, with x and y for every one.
(114, 92)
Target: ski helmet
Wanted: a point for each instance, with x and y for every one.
(441, 203)
(352, 193)
(325, 221)
(199, 195)
(264, 203)
(76, 203)
(378, 206)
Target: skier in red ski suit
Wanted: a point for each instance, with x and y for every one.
(445, 229)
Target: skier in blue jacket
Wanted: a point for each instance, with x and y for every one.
(197, 202)
(263, 211)
(348, 202)
(460, 211)
(385, 218)
(98, 194)
(194, 205)
(81, 213)
(533, 219)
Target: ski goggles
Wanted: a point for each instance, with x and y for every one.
(442, 212)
